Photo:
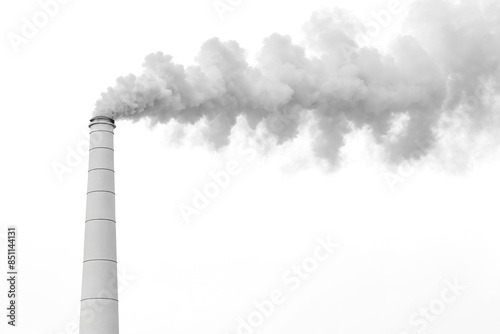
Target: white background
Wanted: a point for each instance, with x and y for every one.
(398, 246)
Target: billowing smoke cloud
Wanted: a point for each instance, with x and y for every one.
(443, 67)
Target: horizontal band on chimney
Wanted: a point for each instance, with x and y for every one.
(109, 260)
(111, 170)
(94, 219)
(103, 124)
(91, 132)
(101, 191)
(102, 147)
(98, 298)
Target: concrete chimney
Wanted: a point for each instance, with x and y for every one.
(99, 303)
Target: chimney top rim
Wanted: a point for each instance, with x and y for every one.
(102, 120)
(102, 117)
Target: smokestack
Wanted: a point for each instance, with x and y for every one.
(99, 303)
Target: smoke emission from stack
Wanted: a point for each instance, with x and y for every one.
(448, 56)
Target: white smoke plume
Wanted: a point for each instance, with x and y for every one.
(444, 67)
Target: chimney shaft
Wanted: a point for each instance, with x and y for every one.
(99, 303)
